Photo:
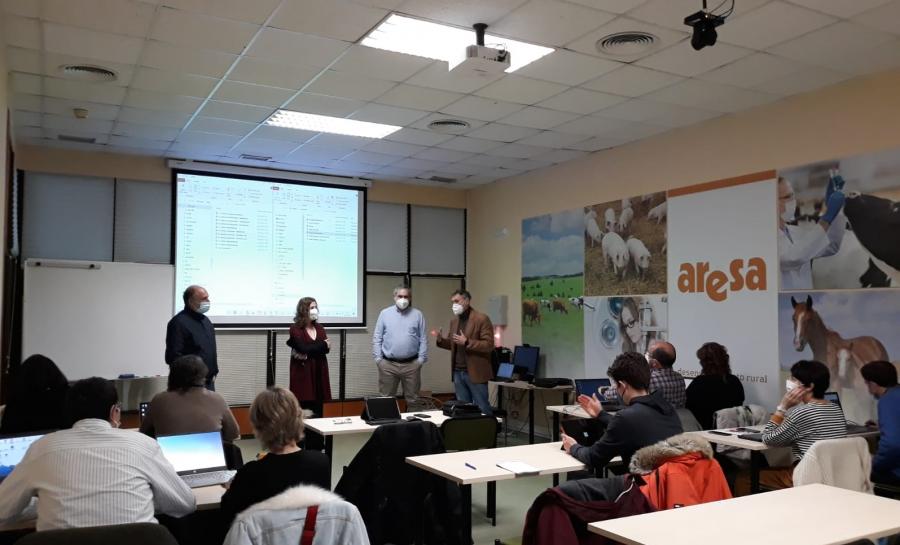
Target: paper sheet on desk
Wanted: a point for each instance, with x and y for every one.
(519, 468)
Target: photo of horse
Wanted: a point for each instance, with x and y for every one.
(844, 330)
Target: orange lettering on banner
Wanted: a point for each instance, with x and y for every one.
(697, 277)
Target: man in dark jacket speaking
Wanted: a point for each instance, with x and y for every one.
(190, 332)
(646, 419)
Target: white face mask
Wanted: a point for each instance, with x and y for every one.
(457, 309)
(314, 314)
(790, 209)
(789, 385)
(204, 307)
(402, 303)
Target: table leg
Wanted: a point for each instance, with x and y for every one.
(555, 438)
(492, 502)
(755, 456)
(530, 417)
(329, 445)
(466, 490)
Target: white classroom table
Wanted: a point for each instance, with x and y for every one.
(814, 514)
(530, 388)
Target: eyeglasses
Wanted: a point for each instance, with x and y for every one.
(631, 323)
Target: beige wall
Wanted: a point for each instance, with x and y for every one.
(136, 167)
(857, 116)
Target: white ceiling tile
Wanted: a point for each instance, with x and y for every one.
(613, 6)
(54, 133)
(581, 101)
(521, 90)
(70, 123)
(348, 85)
(208, 140)
(77, 90)
(637, 131)
(821, 46)
(265, 147)
(665, 37)
(561, 156)
(338, 19)
(552, 139)
(64, 107)
(21, 8)
(202, 31)
(885, 56)
(260, 72)
(886, 17)
(246, 93)
(841, 8)
(680, 116)
(397, 149)
(781, 21)
(380, 64)
(671, 13)
(391, 115)
(19, 59)
(484, 109)
(134, 144)
(25, 118)
(438, 76)
(20, 133)
(472, 145)
(550, 22)
(28, 84)
(370, 158)
(440, 116)
(187, 60)
(639, 110)
(148, 100)
(519, 151)
(531, 164)
(283, 134)
(753, 70)
(711, 96)
(681, 58)
(462, 13)
(421, 164)
(491, 161)
(591, 125)
(21, 32)
(420, 98)
(567, 67)
(596, 144)
(343, 141)
(324, 105)
(153, 117)
(440, 154)
(632, 81)
(502, 133)
(150, 132)
(802, 81)
(276, 45)
(384, 4)
(118, 17)
(419, 137)
(465, 168)
(538, 118)
(393, 172)
(102, 46)
(220, 126)
(151, 79)
(240, 10)
(500, 173)
(32, 103)
(237, 112)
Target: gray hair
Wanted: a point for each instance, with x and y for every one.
(402, 287)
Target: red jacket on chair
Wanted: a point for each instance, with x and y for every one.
(680, 471)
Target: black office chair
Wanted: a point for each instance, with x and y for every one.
(887, 490)
(474, 433)
(144, 533)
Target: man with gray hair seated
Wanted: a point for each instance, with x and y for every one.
(400, 346)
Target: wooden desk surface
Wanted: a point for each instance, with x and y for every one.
(522, 385)
(546, 457)
(569, 410)
(807, 515)
(337, 425)
(732, 439)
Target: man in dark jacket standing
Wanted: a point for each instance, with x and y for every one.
(646, 419)
(190, 332)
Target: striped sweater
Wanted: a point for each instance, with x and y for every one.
(805, 424)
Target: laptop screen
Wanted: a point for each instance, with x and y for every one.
(526, 358)
(12, 450)
(194, 452)
(589, 386)
(833, 397)
(382, 408)
(505, 370)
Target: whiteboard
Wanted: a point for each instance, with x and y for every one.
(98, 318)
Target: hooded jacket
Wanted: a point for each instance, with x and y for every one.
(680, 471)
(646, 420)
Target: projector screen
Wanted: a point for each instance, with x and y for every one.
(258, 245)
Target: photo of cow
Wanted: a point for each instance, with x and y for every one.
(625, 246)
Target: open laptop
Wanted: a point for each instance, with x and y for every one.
(506, 373)
(586, 431)
(852, 429)
(198, 458)
(590, 386)
(525, 359)
(12, 450)
(381, 410)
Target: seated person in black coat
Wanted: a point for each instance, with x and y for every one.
(646, 418)
(36, 398)
(716, 388)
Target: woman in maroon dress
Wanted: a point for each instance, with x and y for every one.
(309, 364)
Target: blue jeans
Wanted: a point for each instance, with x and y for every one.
(471, 393)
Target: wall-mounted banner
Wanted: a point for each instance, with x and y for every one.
(855, 244)
(723, 277)
(613, 325)
(552, 288)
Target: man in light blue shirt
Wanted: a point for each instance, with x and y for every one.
(400, 346)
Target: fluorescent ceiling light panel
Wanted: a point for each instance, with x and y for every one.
(444, 43)
(333, 125)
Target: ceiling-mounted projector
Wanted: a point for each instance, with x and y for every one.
(480, 60)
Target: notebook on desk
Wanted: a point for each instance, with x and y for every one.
(198, 458)
(13, 449)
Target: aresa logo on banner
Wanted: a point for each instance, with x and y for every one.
(716, 284)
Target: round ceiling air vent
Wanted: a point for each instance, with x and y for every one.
(627, 44)
(87, 72)
(448, 126)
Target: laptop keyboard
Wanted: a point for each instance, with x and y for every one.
(198, 480)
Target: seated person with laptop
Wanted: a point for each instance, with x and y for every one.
(881, 380)
(645, 419)
(94, 474)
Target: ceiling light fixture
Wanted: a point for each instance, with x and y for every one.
(704, 23)
(334, 125)
(402, 34)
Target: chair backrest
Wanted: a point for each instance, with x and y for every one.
(844, 463)
(144, 533)
(688, 420)
(469, 433)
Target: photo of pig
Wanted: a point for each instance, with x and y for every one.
(625, 254)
